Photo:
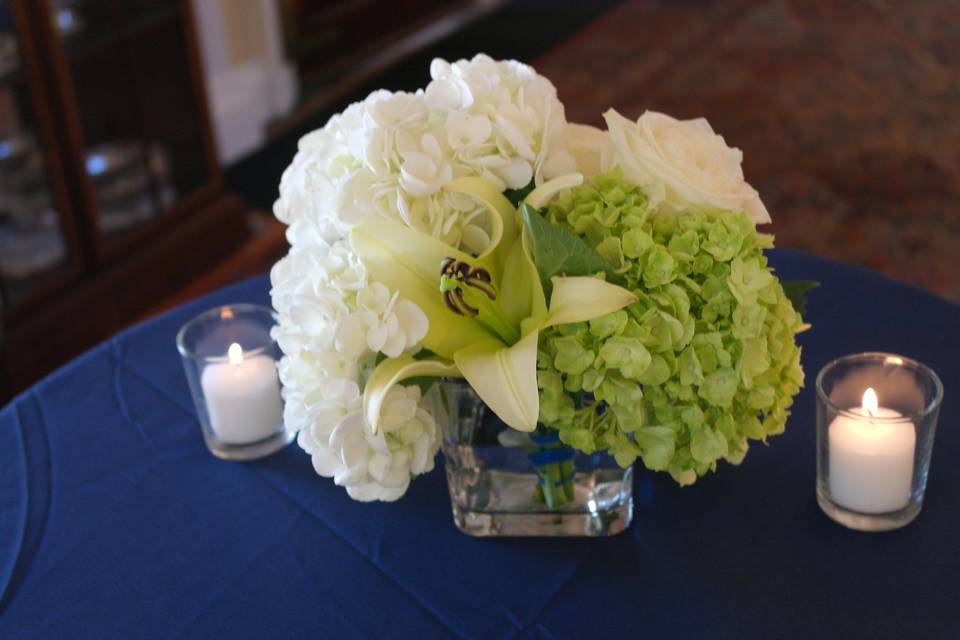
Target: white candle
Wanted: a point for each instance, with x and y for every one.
(243, 397)
(871, 461)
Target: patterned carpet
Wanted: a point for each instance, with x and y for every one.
(848, 113)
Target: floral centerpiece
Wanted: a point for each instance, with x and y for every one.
(604, 290)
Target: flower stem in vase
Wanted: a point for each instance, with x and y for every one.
(555, 470)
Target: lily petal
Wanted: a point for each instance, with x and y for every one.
(521, 294)
(504, 223)
(390, 372)
(539, 197)
(505, 378)
(408, 261)
(580, 298)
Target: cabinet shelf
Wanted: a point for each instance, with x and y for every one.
(111, 197)
(12, 77)
(80, 47)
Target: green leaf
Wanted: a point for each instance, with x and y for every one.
(796, 292)
(557, 251)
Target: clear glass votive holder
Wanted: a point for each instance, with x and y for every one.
(231, 366)
(876, 419)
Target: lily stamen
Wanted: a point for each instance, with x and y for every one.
(462, 273)
(469, 291)
(455, 302)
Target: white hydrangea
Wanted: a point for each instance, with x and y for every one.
(391, 155)
(370, 467)
(333, 323)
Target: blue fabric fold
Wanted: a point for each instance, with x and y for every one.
(24, 519)
(14, 497)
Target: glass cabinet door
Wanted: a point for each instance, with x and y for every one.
(141, 119)
(35, 253)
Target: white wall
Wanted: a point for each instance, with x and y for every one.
(249, 82)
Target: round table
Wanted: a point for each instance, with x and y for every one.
(115, 521)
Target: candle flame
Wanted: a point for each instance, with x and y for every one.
(226, 313)
(235, 353)
(870, 401)
(894, 360)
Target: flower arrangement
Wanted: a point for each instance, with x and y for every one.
(609, 287)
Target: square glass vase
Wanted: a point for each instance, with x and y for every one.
(504, 482)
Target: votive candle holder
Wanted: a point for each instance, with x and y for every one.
(230, 360)
(876, 420)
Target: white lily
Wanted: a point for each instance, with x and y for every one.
(485, 312)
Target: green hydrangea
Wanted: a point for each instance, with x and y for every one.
(705, 361)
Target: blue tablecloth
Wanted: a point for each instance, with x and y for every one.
(115, 522)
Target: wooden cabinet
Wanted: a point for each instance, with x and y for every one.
(327, 37)
(110, 192)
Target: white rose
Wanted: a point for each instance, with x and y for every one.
(586, 144)
(683, 162)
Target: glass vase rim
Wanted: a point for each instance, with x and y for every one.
(899, 361)
(248, 308)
